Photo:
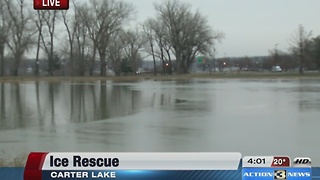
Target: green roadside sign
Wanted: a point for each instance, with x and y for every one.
(201, 60)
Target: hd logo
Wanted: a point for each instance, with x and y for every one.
(280, 174)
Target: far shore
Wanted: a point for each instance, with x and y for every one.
(159, 77)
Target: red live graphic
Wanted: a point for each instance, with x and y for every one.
(50, 4)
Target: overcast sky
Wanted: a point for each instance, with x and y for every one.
(251, 27)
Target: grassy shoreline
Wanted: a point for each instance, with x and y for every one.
(133, 78)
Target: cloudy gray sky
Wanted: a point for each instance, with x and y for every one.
(251, 27)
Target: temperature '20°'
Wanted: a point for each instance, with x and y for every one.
(266, 161)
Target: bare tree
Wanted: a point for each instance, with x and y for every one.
(280, 58)
(70, 27)
(49, 19)
(316, 51)
(159, 43)
(4, 29)
(300, 44)
(164, 46)
(105, 19)
(165, 51)
(210, 55)
(80, 41)
(39, 23)
(115, 52)
(21, 29)
(82, 50)
(150, 36)
(188, 32)
(275, 56)
(93, 31)
(88, 21)
(133, 41)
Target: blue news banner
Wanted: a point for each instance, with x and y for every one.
(17, 174)
(274, 173)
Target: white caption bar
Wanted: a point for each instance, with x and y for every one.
(142, 161)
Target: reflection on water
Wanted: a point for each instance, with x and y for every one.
(254, 117)
(40, 104)
(309, 96)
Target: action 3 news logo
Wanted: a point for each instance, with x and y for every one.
(280, 174)
(51, 4)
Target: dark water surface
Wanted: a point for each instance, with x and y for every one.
(265, 117)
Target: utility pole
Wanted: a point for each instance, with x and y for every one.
(214, 60)
(225, 58)
(275, 55)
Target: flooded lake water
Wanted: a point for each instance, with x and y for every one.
(254, 117)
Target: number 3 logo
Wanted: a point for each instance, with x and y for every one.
(280, 174)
